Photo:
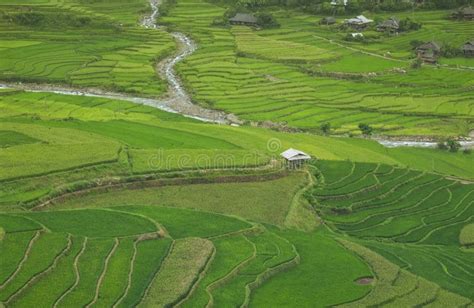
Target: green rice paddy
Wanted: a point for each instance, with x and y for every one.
(108, 203)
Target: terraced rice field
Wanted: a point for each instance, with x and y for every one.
(108, 203)
(303, 74)
(414, 219)
(108, 52)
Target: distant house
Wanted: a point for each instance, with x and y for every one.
(464, 13)
(244, 19)
(359, 22)
(295, 158)
(391, 25)
(328, 21)
(468, 49)
(428, 52)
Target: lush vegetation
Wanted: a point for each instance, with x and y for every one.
(417, 220)
(110, 203)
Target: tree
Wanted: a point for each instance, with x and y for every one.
(453, 145)
(416, 43)
(266, 20)
(366, 129)
(326, 128)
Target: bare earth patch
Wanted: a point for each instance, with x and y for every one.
(364, 280)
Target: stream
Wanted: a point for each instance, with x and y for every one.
(177, 100)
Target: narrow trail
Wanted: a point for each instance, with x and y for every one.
(76, 273)
(130, 275)
(177, 100)
(102, 275)
(38, 276)
(25, 257)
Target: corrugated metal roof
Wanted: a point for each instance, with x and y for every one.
(292, 154)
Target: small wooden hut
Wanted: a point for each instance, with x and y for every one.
(428, 52)
(244, 19)
(295, 158)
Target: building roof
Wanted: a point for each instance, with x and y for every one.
(329, 19)
(469, 45)
(244, 18)
(292, 154)
(390, 23)
(467, 10)
(359, 20)
(429, 46)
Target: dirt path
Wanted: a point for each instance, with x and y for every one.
(38, 276)
(23, 260)
(76, 272)
(130, 275)
(359, 50)
(102, 275)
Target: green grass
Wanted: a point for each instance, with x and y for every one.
(111, 52)
(48, 290)
(115, 279)
(179, 222)
(41, 257)
(266, 201)
(324, 277)
(466, 237)
(422, 215)
(100, 223)
(230, 253)
(13, 247)
(90, 266)
(179, 272)
(11, 138)
(149, 257)
(264, 75)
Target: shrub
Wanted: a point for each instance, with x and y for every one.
(450, 51)
(326, 128)
(409, 25)
(366, 129)
(266, 20)
(453, 145)
(415, 43)
(416, 63)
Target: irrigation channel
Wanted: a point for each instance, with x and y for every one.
(177, 100)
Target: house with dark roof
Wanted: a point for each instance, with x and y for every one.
(391, 25)
(244, 19)
(468, 48)
(464, 13)
(428, 52)
(328, 21)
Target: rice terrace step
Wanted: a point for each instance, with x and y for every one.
(230, 153)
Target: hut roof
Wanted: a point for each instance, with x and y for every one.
(430, 46)
(469, 46)
(329, 19)
(244, 18)
(359, 20)
(467, 10)
(292, 154)
(390, 23)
